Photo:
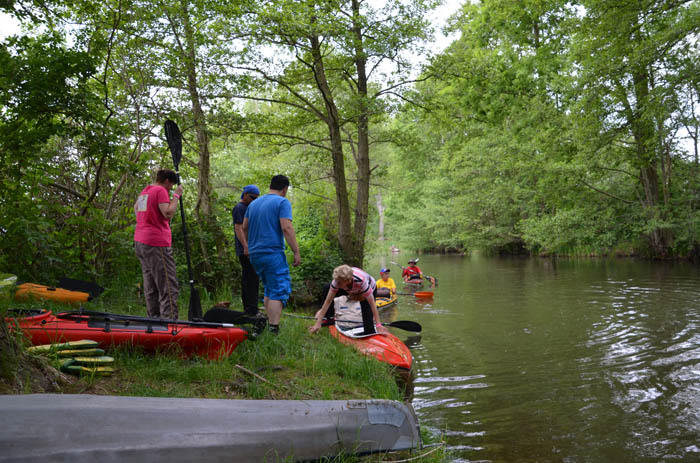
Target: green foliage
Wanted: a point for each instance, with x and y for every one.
(320, 253)
(553, 129)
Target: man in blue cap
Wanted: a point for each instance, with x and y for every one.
(249, 279)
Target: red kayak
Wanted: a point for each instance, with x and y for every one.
(209, 340)
(386, 348)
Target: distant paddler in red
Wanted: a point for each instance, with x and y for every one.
(412, 273)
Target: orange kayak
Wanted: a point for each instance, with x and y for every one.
(386, 348)
(50, 293)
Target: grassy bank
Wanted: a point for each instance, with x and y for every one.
(292, 365)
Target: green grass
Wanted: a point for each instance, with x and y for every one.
(293, 365)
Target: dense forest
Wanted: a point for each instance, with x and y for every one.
(547, 127)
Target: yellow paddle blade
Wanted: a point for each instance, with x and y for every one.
(103, 360)
(81, 370)
(81, 352)
(44, 348)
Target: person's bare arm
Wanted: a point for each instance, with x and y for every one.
(291, 237)
(322, 311)
(241, 235)
(168, 209)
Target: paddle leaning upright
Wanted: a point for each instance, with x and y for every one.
(174, 138)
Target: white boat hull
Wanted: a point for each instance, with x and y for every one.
(90, 428)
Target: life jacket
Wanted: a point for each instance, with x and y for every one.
(347, 312)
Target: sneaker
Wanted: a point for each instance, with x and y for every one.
(274, 329)
(259, 325)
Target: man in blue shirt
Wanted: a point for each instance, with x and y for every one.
(267, 223)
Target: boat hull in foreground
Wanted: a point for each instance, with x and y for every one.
(87, 428)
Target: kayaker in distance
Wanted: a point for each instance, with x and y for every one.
(153, 244)
(385, 285)
(358, 285)
(267, 223)
(250, 283)
(412, 272)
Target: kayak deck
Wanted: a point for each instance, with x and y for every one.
(89, 428)
(386, 348)
(384, 303)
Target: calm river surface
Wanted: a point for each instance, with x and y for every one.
(567, 360)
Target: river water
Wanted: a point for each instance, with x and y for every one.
(566, 360)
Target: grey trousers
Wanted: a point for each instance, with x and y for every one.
(160, 285)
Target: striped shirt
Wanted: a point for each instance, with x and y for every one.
(362, 283)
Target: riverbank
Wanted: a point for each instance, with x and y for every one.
(290, 366)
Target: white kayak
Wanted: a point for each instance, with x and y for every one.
(89, 428)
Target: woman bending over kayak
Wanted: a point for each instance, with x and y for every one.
(357, 285)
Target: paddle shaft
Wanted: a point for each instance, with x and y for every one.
(406, 325)
(135, 318)
(174, 139)
(400, 324)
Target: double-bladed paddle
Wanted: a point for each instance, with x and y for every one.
(406, 325)
(400, 324)
(80, 315)
(174, 138)
(433, 281)
(424, 294)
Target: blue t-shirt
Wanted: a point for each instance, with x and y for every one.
(264, 229)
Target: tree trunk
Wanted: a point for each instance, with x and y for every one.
(203, 207)
(647, 158)
(363, 171)
(332, 120)
(380, 209)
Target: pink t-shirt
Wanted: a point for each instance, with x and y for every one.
(362, 283)
(152, 228)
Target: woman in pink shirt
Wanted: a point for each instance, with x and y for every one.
(153, 244)
(358, 285)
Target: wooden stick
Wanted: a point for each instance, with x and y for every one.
(269, 382)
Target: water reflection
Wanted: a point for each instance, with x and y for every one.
(531, 360)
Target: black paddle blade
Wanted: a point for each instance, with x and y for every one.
(406, 325)
(195, 312)
(174, 138)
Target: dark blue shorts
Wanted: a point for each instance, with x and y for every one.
(273, 270)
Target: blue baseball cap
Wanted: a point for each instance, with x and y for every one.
(250, 189)
(384, 270)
